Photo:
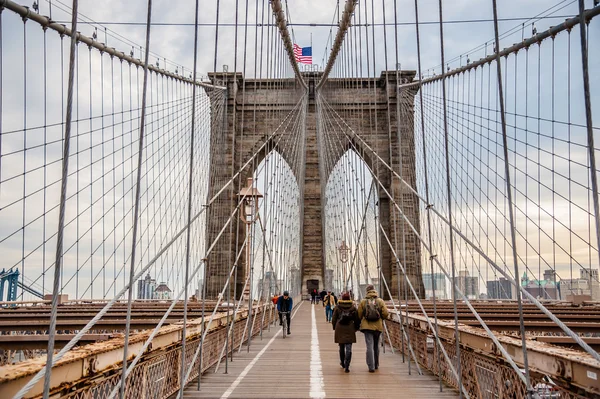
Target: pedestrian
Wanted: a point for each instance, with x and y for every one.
(345, 322)
(274, 300)
(371, 312)
(330, 302)
(313, 295)
(323, 294)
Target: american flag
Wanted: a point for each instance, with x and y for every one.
(303, 54)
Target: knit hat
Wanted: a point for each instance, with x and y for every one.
(346, 296)
(370, 287)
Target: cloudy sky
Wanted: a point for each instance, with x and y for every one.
(175, 42)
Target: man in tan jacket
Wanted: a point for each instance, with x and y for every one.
(330, 301)
(371, 312)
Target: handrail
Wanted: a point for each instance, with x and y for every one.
(538, 38)
(46, 22)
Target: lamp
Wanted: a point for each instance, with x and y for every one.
(249, 196)
(343, 249)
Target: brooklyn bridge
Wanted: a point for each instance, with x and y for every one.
(169, 170)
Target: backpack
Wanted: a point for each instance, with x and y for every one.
(346, 317)
(372, 310)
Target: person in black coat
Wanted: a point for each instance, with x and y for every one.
(345, 322)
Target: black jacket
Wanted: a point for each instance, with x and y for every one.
(285, 305)
(345, 333)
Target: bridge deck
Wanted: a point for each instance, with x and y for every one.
(278, 368)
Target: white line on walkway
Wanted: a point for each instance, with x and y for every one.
(237, 381)
(316, 369)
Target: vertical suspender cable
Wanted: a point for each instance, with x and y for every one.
(61, 211)
(426, 178)
(254, 166)
(449, 200)
(137, 200)
(510, 201)
(233, 184)
(189, 218)
(588, 119)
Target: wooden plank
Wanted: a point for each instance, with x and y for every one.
(283, 370)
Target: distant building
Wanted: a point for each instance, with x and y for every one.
(467, 284)
(499, 289)
(547, 288)
(586, 284)
(440, 285)
(589, 274)
(146, 288)
(162, 292)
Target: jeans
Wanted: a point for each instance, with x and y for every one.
(372, 341)
(345, 355)
(328, 312)
(288, 317)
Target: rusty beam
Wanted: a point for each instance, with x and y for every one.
(84, 363)
(568, 367)
(74, 325)
(40, 341)
(594, 342)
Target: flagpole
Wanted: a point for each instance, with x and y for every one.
(311, 47)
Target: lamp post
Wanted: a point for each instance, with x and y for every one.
(249, 196)
(343, 250)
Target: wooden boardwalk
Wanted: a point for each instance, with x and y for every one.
(301, 367)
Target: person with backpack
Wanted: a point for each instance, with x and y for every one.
(330, 302)
(345, 322)
(371, 312)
